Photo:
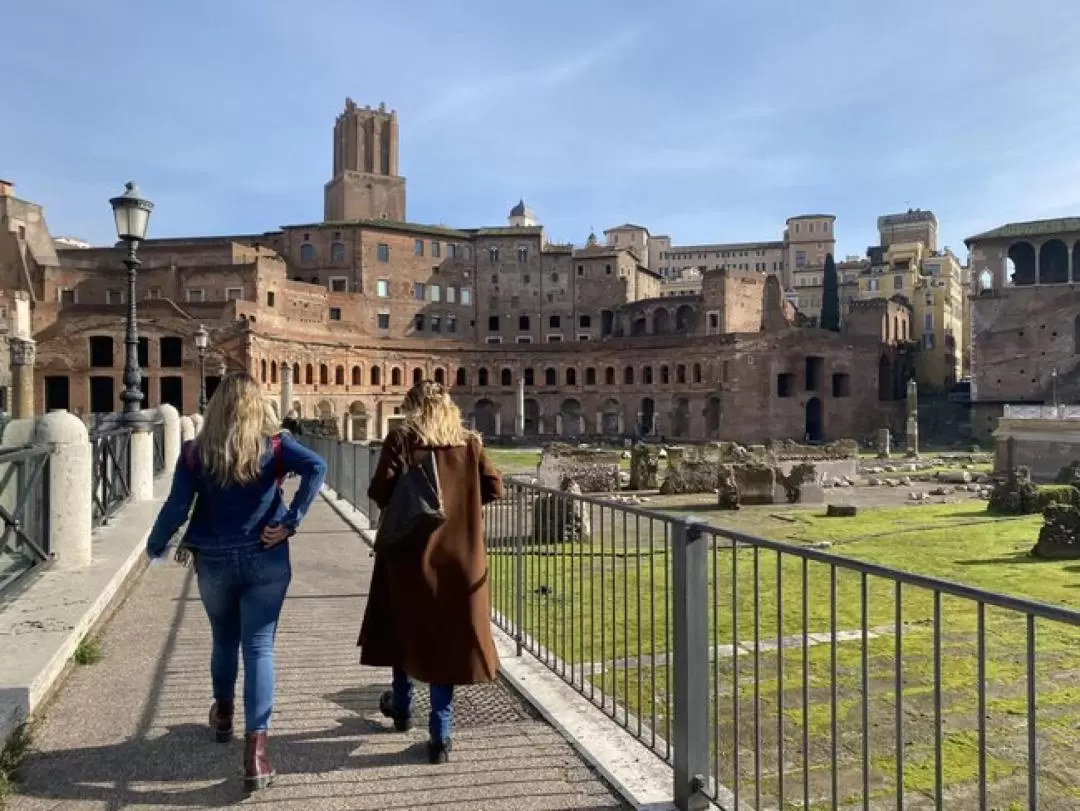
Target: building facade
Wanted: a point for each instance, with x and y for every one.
(339, 318)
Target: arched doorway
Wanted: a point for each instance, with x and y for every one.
(532, 418)
(712, 418)
(661, 321)
(609, 419)
(680, 418)
(484, 415)
(1022, 263)
(684, 319)
(1053, 262)
(815, 427)
(325, 410)
(648, 416)
(572, 423)
(358, 418)
(639, 327)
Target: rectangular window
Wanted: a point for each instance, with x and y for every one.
(435, 292)
(898, 282)
(419, 290)
(523, 322)
(466, 296)
(451, 251)
(382, 252)
(466, 252)
(928, 340)
(196, 296)
(436, 323)
(269, 298)
(114, 296)
(554, 339)
(153, 293)
(841, 385)
(382, 320)
(872, 285)
(339, 284)
(418, 247)
(451, 294)
(584, 336)
(435, 249)
(785, 384)
(234, 293)
(493, 323)
(451, 323)
(335, 313)
(494, 339)
(418, 322)
(66, 296)
(800, 258)
(524, 339)
(554, 322)
(585, 321)
(382, 288)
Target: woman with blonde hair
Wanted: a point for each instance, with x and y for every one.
(428, 612)
(228, 480)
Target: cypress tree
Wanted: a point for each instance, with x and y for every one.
(830, 301)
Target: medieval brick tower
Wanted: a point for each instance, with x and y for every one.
(365, 185)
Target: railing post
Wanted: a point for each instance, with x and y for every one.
(516, 501)
(690, 726)
(141, 463)
(171, 447)
(187, 429)
(70, 486)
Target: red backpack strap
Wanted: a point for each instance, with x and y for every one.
(279, 460)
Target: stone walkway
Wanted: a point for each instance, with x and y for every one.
(130, 732)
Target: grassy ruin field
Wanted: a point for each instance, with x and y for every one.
(602, 612)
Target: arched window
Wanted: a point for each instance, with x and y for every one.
(440, 376)
(646, 375)
(462, 377)
(417, 375)
(357, 376)
(680, 373)
(309, 375)
(337, 252)
(590, 376)
(296, 373)
(665, 375)
(506, 378)
(551, 377)
(273, 371)
(307, 252)
(339, 376)
(324, 374)
(571, 377)
(376, 375)
(609, 376)
(628, 375)
(262, 370)
(395, 376)
(482, 377)
(697, 372)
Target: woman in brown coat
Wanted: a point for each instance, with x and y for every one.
(428, 615)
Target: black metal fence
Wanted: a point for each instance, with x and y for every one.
(159, 448)
(349, 468)
(24, 511)
(774, 675)
(111, 471)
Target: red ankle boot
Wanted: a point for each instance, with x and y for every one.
(221, 720)
(258, 774)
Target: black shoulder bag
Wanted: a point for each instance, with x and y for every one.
(415, 509)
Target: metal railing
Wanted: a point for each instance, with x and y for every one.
(110, 472)
(774, 675)
(24, 511)
(159, 448)
(349, 468)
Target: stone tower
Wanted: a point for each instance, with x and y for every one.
(365, 185)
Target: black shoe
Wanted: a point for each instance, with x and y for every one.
(402, 723)
(438, 751)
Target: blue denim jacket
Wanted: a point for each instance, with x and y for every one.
(234, 516)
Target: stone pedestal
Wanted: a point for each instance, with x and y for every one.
(197, 421)
(884, 443)
(558, 425)
(171, 419)
(911, 441)
(70, 486)
(187, 430)
(142, 465)
(23, 352)
(519, 417)
(286, 390)
(498, 423)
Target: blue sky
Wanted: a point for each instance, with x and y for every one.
(706, 120)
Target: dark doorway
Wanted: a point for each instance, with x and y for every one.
(814, 420)
(172, 392)
(103, 399)
(648, 414)
(57, 392)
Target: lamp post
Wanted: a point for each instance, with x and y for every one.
(202, 340)
(132, 215)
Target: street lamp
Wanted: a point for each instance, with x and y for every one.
(132, 215)
(202, 340)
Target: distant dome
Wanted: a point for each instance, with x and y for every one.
(520, 210)
(522, 215)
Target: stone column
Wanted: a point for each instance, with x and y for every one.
(911, 442)
(884, 443)
(286, 390)
(519, 417)
(23, 352)
(622, 423)
(171, 417)
(187, 430)
(1038, 269)
(558, 424)
(584, 427)
(70, 485)
(498, 423)
(599, 423)
(141, 467)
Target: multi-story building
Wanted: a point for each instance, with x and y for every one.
(363, 304)
(809, 289)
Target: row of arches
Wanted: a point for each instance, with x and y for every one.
(320, 374)
(663, 321)
(1053, 262)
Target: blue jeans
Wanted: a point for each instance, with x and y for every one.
(242, 591)
(441, 720)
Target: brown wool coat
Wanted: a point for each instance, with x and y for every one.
(430, 614)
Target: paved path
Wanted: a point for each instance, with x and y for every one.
(130, 732)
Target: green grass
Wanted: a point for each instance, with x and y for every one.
(592, 612)
(18, 746)
(88, 652)
(511, 460)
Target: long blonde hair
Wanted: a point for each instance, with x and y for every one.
(232, 443)
(432, 417)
